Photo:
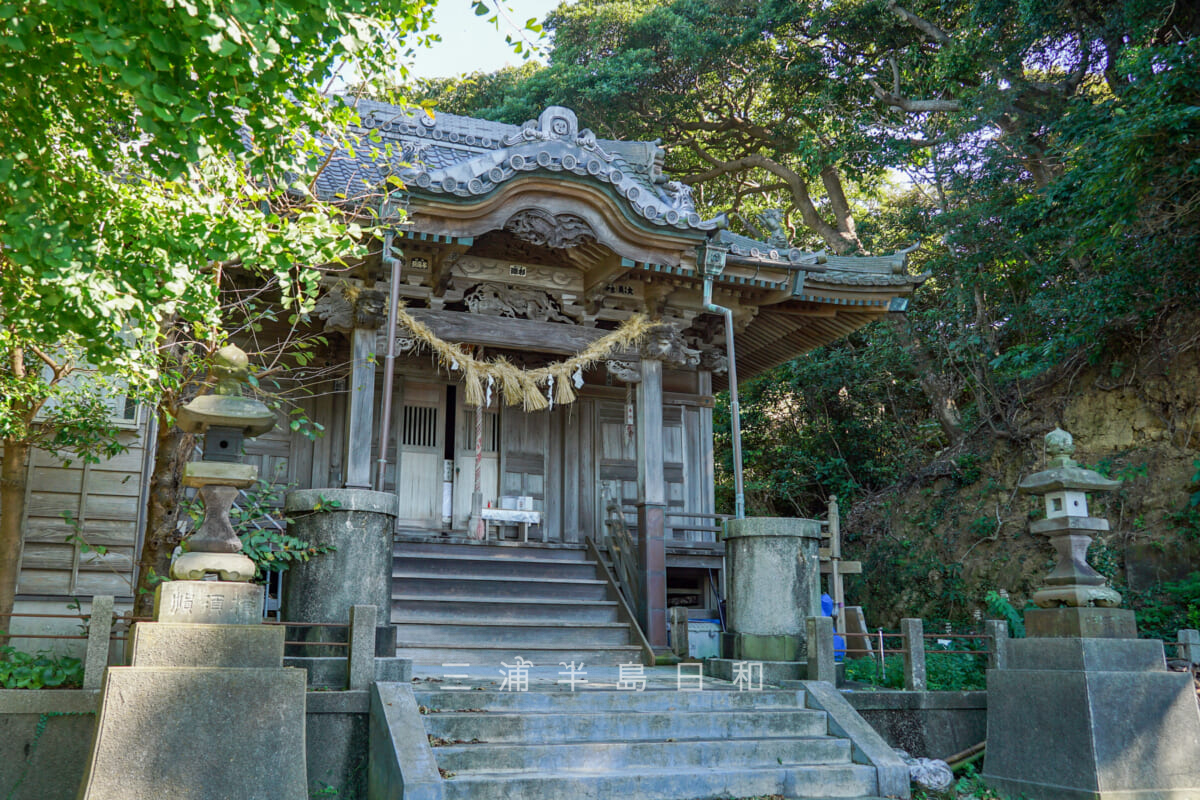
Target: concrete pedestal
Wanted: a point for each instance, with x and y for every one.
(210, 602)
(204, 712)
(773, 586)
(1094, 718)
(1087, 623)
(359, 524)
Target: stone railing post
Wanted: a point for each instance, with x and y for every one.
(99, 630)
(997, 629)
(1189, 646)
(679, 631)
(821, 665)
(360, 663)
(913, 631)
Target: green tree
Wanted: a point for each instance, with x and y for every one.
(1050, 152)
(145, 149)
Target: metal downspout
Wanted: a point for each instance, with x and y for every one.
(735, 416)
(389, 361)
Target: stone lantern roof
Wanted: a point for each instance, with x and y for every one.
(1064, 473)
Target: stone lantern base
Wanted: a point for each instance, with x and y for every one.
(206, 709)
(1090, 717)
(1088, 623)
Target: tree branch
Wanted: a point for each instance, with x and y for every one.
(839, 241)
(60, 370)
(924, 26)
(910, 106)
(842, 214)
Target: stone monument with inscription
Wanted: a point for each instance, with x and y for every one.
(206, 708)
(1082, 708)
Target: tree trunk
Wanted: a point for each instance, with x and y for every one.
(12, 510)
(173, 449)
(935, 385)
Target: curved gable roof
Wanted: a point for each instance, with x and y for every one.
(450, 156)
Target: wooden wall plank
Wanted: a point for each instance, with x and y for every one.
(691, 461)
(571, 468)
(706, 475)
(57, 479)
(129, 461)
(91, 583)
(300, 465)
(337, 436)
(47, 529)
(589, 520)
(99, 507)
(39, 555)
(323, 413)
(40, 581)
(360, 423)
(553, 488)
(113, 559)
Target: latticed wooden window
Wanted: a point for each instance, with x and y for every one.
(420, 427)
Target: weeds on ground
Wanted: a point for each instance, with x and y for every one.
(20, 670)
(943, 671)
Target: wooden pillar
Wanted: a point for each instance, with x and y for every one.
(362, 408)
(707, 473)
(652, 505)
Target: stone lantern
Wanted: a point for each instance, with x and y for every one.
(223, 419)
(1081, 707)
(1063, 487)
(206, 707)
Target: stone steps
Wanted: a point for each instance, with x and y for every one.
(492, 566)
(487, 603)
(541, 656)
(584, 756)
(419, 608)
(668, 783)
(602, 700)
(482, 632)
(458, 586)
(555, 728)
(412, 545)
(658, 744)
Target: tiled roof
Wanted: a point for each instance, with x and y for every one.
(460, 156)
(437, 154)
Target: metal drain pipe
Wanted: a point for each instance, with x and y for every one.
(389, 362)
(735, 416)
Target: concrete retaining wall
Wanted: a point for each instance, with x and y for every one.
(45, 735)
(49, 765)
(926, 724)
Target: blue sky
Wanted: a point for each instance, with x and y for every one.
(469, 43)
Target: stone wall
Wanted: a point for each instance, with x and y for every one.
(48, 765)
(926, 724)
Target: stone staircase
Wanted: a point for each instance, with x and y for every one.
(653, 745)
(456, 601)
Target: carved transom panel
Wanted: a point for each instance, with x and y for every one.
(542, 228)
(508, 301)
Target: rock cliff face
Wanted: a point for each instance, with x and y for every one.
(935, 544)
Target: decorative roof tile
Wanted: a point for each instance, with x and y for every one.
(451, 155)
